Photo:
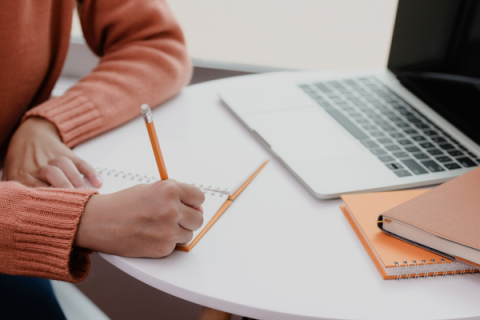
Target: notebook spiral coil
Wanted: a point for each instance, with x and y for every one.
(146, 179)
(415, 269)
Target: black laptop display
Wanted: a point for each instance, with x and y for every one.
(435, 53)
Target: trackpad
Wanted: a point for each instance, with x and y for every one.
(306, 135)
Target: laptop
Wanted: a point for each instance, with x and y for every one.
(413, 124)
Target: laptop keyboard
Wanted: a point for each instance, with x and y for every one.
(395, 132)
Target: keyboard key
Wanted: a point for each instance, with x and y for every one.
(472, 155)
(411, 131)
(452, 166)
(389, 114)
(427, 145)
(370, 128)
(354, 113)
(387, 127)
(414, 166)
(369, 144)
(335, 84)
(385, 141)
(403, 125)
(418, 138)
(322, 87)
(378, 151)
(420, 156)
(467, 162)
(455, 153)
(394, 118)
(371, 113)
(421, 126)
(444, 159)
(430, 133)
(400, 154)
(413, 119)
(381, 122)
(402, 173)
(404, 142)
(447, 146)
(392, 148)
(438, 139)
(412, 149)
(362, 121)
(432, 166)
(347, 124)
(349, 110)
(435, 152)
(394, 166)
(377, 134)
(385, 158)
(396, 135)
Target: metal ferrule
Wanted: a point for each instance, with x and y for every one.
(148, 117)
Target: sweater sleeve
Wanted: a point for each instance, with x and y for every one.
(143, 60)
(37, 229)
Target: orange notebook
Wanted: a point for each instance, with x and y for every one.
(221, 174)
(393, 258)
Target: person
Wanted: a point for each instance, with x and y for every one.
(49, 221)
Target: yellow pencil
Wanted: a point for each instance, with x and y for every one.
(147, 116)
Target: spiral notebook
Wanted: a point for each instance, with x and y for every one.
(221, 174)
(394, 258)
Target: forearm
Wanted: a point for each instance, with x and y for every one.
(37, 230)
(143, 60)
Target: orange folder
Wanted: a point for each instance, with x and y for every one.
(393, 258)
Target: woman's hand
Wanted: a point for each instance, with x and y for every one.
(37, 157)
(147, 220)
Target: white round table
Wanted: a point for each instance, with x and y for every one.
(277, 252)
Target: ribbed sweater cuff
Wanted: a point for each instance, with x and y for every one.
(45, 227)
(75, 116)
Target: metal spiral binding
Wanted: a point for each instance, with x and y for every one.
(444, 264)
(146, 179)
(425, 267)
(399, 271)
(416, 268)
(437, 268)
(126, 175)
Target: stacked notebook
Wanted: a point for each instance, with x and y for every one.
(221, 174)
(393, 257)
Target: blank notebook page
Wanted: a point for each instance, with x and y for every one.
(222, 170)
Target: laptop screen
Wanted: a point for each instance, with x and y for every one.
(435, 53)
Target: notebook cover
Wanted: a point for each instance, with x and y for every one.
(220, 211)
(365, 209)
(450, 211)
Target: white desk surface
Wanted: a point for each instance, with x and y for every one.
(277, 252)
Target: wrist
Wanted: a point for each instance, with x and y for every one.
(34, 124)
(84, 235)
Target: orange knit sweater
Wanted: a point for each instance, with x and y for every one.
(143, 60)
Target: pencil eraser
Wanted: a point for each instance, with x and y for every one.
(145, 108)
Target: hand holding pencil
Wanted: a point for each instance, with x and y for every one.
(146, 220)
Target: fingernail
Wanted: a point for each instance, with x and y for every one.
(98, 180)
